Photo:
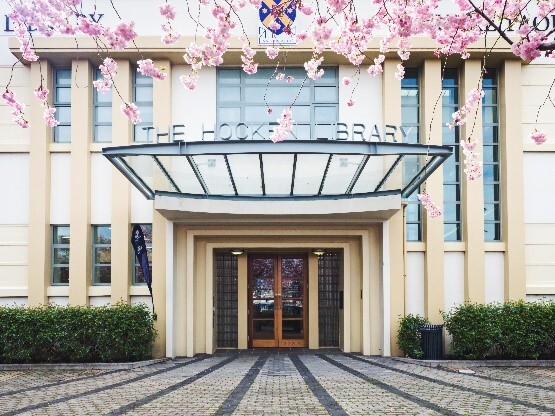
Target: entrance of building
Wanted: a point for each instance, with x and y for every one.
(278, 302)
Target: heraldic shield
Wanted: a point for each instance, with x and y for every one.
(282, 12)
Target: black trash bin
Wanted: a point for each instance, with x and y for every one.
(432, 341)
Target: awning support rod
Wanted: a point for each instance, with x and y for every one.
(198, 175)
(388, 174)
(132, 176)
(359, 170)
(424, 173)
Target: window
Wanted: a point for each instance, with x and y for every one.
(60, 255)
(490, 131)
(62, 103)
(102, 104)
(138, 277)
(452, 230)
(410, 120)
(102, 254)
(142, 96)
(245, 99)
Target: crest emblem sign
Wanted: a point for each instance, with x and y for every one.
(282, 12)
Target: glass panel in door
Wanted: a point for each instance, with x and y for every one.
(292, 298)
(262, 283)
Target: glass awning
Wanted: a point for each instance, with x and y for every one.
(289, 170)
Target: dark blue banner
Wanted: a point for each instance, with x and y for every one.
(139, 245)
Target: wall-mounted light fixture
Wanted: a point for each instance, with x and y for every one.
(319, 251)
(236, 251)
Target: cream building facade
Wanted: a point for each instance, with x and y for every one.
(67, 212)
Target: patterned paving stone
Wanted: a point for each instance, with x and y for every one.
(280, 383)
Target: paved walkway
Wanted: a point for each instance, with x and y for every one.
(280, 383)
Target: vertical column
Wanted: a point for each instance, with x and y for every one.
(121, 193)
(512, 186)
(80, 256)
(433, 227)
(473, 196)
(366, 323)
(313, 337)
(159, 236)
(162, 119)
(391, 98)
(39, 192)
(242, 303)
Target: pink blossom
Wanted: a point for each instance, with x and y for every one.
(269, 111)
(169, 36)
(346, 80)
(376, 69)
(400, 73)
(301, 36)
(189, 81)
(284, 128)
(48, 116)
(473, 166)
(472, 100)
(41, 93)
(88, 27)
(102, 85)
(538, 136)
(431, 208)
(17, 108)
(272, 52)
(280, 76)
(312, 68)
(108, 68)
(350, 103)
(147, 68)
(131, 112)
(306, 10)
(167, 11)
(289, 79)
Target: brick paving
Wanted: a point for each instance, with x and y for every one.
(280, 383)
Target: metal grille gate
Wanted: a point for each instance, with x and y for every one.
(226, 300)
(328, 299)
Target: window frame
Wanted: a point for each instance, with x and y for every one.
(412, 201)
(96, 245)
(134, 263)
(246, 81)
(53, 247)
(100, 104)
(140, 106)
(495, 162)
(449, 108)
(61, 104)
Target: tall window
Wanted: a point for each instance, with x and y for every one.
(245, 99)
(410, 120)
(62, 103)
(143, 98)
(102, 255)
(490, 131)
(102, 104)
(138, 277)
(451, 167)
(60, 255)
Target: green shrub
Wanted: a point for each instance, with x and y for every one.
(54, 334)
(514, 330)
(408, 337)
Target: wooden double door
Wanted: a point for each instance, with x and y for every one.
(278, 300)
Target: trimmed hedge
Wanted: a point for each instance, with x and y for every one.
(55, 334)
(514, 330)
(408, 336)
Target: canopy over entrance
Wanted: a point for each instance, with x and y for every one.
(290, 170)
